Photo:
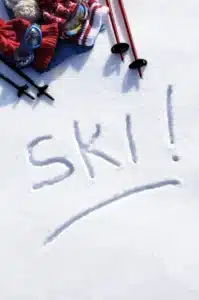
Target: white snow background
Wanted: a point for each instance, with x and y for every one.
(144, 246)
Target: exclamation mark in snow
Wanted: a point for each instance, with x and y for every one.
(170, 116)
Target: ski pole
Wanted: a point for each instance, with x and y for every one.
(41, 89)
(119, 47)
(138, 63)
(21, 88)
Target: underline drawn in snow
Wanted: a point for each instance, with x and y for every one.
(131, 141)
(48, 161)
(92, 209)
(170, 117)
(85, 149)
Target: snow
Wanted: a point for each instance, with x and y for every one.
(124, 215)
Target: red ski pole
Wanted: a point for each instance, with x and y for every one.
(119, 47)
(138, 63)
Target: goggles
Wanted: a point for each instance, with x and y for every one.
(32, 39)
(74, 26)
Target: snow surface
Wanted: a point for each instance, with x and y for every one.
(97, 203)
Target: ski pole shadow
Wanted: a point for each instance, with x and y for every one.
(112, 65)
(131, 81)
(43, 98)
(76, 61)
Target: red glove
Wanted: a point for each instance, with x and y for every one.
(45, 53)
(11, 36)
(11, 33)
(58, 11)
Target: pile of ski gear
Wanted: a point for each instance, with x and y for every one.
(37, 28)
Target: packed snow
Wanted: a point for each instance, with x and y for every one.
(99, 189)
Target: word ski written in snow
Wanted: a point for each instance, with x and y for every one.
(85, 151)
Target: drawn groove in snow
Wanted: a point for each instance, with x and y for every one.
(131, 141)
(48, 161)
(85, 149)
(170, 118)
(117, 197)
